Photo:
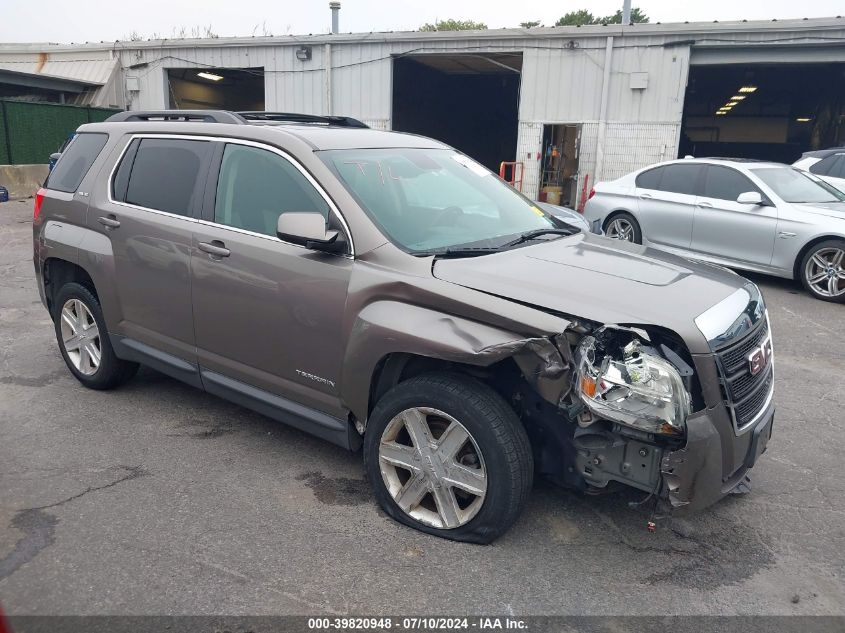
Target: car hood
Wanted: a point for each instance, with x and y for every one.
(602, 280)
(829, 209)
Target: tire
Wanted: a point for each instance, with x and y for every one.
(822, 271)
(623, 226)
(496, 446)
(83, 313)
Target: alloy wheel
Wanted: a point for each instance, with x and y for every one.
(824, 272)
(620, 229)
(81, 337)
(432, 467)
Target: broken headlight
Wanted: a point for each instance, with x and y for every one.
(640, 389)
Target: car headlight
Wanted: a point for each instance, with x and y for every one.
(639, 389)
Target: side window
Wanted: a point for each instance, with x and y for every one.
(679, 178)
(724, 183)
(164, 173)
(256, 186)
(650, 179)
(121, 176)
(75, 162)
(828, 165)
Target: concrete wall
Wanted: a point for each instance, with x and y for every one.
(22, 181)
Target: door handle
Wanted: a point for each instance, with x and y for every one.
(110, 221)
(706, 205)
(215, 248)
(646, 196)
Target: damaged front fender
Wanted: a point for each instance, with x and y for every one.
(389, 327)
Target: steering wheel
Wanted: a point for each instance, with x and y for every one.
(448, 212)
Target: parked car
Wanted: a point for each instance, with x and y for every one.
(4, 194)
(764, 217)
(385, 291)
(827, 164)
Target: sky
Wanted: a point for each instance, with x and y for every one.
(68, 21)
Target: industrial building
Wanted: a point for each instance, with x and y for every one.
(568, 105)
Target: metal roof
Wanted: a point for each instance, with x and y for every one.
(90, 69)
(815, 28)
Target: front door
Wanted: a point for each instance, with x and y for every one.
(266, 312)
(727, 230)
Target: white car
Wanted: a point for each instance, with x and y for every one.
(765, 217)
(827, 164)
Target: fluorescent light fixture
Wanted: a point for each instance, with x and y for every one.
(727, 106)
(721, 113)
(210, 76)
(803, 119)
(737, 97)
(748, 89)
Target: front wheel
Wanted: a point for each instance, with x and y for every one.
(446, 455)
(623, 226)
(823, 271)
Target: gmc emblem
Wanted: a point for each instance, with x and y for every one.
(759, 358)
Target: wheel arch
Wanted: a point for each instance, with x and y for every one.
(616, 212)
(57, 272)
(796, 266)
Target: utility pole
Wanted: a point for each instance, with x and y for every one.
(626, 13)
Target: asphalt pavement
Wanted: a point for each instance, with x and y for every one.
(158, 498)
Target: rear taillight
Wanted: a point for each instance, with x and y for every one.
(592, 193)
(39, 198)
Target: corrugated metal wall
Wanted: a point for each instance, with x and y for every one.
(561, 83)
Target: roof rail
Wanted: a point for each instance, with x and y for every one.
(293, 117)
(206, 116)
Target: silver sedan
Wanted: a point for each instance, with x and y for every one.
(758, 216)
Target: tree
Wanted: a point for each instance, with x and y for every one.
(576, 18)
(582, 17)
(530, 24)
(454, 25)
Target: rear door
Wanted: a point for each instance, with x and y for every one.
(666, 202)
(154, 196)
(728, 230)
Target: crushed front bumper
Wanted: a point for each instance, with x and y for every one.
(695, 475)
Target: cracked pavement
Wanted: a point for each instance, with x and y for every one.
(160, 499)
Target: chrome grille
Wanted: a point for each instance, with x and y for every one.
(745, 394)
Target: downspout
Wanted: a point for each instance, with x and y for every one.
(605, 85)
(327, 54)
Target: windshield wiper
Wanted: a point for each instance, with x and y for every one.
(530, 235)
(467, 251)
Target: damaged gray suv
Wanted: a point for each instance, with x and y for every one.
(384, 291)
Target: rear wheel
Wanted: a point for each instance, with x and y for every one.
(446, 455)
(623, 226)
(84, 341)
(823, 271)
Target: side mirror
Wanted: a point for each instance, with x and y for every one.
(309, 230)
(750, 197)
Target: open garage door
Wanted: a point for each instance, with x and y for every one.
(216, 88)
(469, 101)
(763, 111)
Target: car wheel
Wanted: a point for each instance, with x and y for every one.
(84, 341)
(823, 271)
(623, 226)
(446, 455)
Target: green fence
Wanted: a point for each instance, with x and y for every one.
(30, 132)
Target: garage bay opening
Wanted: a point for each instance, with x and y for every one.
(559, 164)
(468, 100)
(763, 111)
(216, 88)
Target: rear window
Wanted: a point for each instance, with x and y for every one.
(680, 179)
(833, 166)
(650, 179)
(163, 174)
(75, 162)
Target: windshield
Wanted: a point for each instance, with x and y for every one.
(429, 200)
(792, 185)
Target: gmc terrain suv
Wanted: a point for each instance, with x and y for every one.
(384, 290)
